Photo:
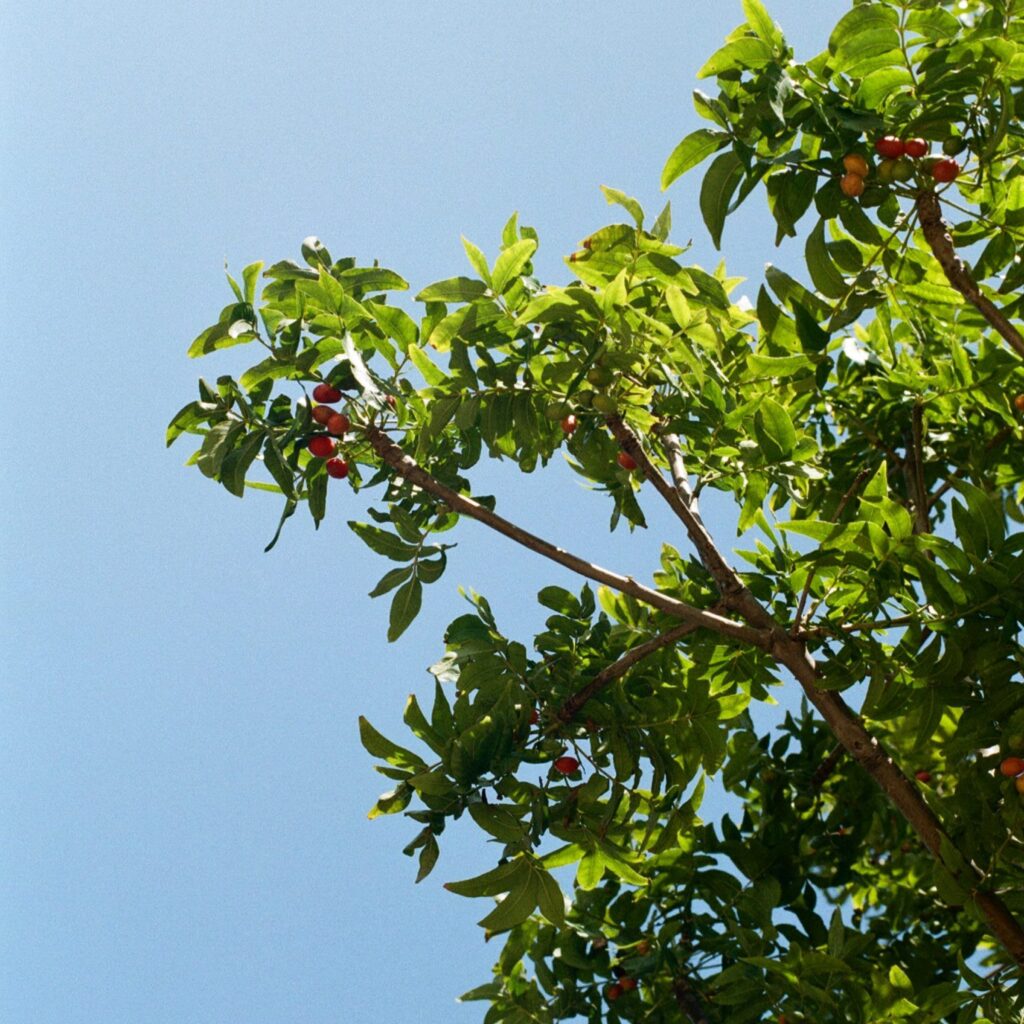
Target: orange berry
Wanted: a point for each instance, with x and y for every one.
(1019, 783)
(852, 185)
(1011, 766)
(1018, 403)
(856, 164)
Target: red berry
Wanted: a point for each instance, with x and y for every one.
(322, 413)
(889, 147)
(1018, 403)
(627, 983)
(923, 776)
(566, 765)
(915, 147)
(326, 393)
(337, 468)
(568, 424)
(534, 716)
(338, 424)
(626, 461)
(613, 992)
(321, 446)
(643, 947)
(1011, 766)
(391, 401)
(945, 169)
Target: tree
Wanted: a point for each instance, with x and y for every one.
(866, 425)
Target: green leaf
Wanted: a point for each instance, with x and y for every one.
(222, 335)
(745, 52)
(498, 821)
(405, 607)
(250, 278)
(550, 898)
(760, 21)
(716, 192)
(454, 289)
(216, 445)
(694, 149)
(372, 279)
(635, 210)
(477, 260)
(515, 908)
(510, 264)
(396, 323)
(590, 870)
(316, 497)
(237, 462)
(500, 879)
(824, 273)
(390, 545)
(428, 858)
(391, 579)
(867, 31)
(279, 469)
(775, 431)
(289, 510)
(380, 746)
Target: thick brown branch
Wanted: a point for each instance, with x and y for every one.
(407, 467)
(938, 237)
(617, 669)
(686, 999)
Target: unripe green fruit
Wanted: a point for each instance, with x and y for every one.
(903, 170)
(1015, 742)
(954, 146)
(600, 376)
(557, 410)
(605, 404)
(585, 398)
(886, 171)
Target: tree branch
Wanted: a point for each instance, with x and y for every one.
(938, 237)
(827, 767)
(994, 442)
(617, 669)
(687, 1000)
(407, 467)
(867, 751)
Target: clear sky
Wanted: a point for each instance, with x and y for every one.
(183, 831)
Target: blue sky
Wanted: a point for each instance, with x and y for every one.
(183, 832)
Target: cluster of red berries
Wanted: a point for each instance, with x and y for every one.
(619, 988)
(898, 156)
(323, 446)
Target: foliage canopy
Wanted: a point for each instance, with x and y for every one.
(861, 416)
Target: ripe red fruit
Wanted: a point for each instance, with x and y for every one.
(391, 401)
(923, 776)
(1018, 403)
(1011, 766)
(566, 765)
(326, 393)
(568, 424)
(889, 147)
(627, 984)
(338, 424)
(337, 468)
(945, 170)
(322, 413)
(626, 461)
(915, 147)
(321, 446)
(534, 716)
(613, 992)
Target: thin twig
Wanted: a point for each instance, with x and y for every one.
(938, 237)
(617, 669)
(827, 767)
(686, 997)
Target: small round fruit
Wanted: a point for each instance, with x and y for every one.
(338, 424)
(337, 468)
(1018, 403)
(391, 401)
(1019, 783)
(566, 765)
(600, 376)
(915, 147)
(903, 170)
(325, 393)
(954, 145)
(945, 170)
(923, 776)
(856, 164)
(322, 413)
(322, 447)
(643, 947)
(1011, 766)
(605, 404)
(889, 147)
(852, 185)
(887, 171)
(627, 983)
(534, 716)
(556, 410)
(803, 803)
(626, 461)
(613, 992)
(569, 424)
(1015, 741)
